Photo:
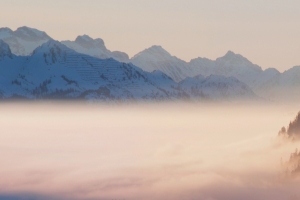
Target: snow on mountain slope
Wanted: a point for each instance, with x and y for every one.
(5, 32)
(216, 87)
(156, 58)
(229, 65)
(269, 84)
(291, 77)
(24, 40)
(273, 85)
(9, 69)
(202, 66)
(55, 71)
(267, 78)
(4, 50)
(95, 47)
(289, 84)
(238, 66)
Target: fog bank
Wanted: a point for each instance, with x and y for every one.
(151, 151)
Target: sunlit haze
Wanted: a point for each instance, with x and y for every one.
(149, 100)
(166, 151)
(266, 32)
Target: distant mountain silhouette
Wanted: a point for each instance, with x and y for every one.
(269, 84)
(54, 71)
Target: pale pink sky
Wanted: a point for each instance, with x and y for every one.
(266, 32)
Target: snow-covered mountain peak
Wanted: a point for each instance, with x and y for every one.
(52, 51)
(89, 43)
(157, 49)
(204, 64)
(84, 37)
(200, 59)
(295, 68)
(94, 47)
(230, 53)
(52, 44)
(5, 32)
(231, 56)
(272, 71)
(4, 50)
(157, 58)
(236, 60)
(99, 43)
(23, 40)
(292, 75)
(31, 34)
(120, 56)
(154, 52)
(5, 29)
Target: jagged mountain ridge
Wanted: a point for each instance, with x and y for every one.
(229, 65)
(269, 83)
(23, 40)
(272, 84)
(55, 71)
(95, 47)
(156, 58)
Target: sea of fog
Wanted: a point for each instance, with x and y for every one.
(166, 151)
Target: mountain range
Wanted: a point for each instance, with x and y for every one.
(23, 40)
(33, 65)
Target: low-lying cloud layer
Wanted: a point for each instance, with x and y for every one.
(90, 152)
(292, 166)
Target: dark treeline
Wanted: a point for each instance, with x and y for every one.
(293, 129)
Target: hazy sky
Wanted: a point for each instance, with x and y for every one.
(265, 31)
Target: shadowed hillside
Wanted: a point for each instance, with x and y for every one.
(293, 130)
